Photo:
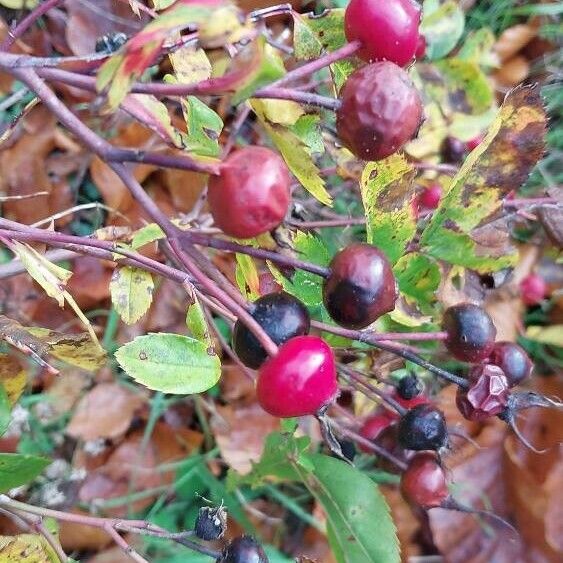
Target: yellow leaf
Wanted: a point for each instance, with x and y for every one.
(190, 65)
(284, 112)
(12, 377)
(548, 335)
(26, 548)
(131, 293)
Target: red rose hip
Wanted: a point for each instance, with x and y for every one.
(374, 425)
(381, 110)
(533, 289)
(299, 380)
(361, 286)
(251, 194)
(423, 482)
(387, 29)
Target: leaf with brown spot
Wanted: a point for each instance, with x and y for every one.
(12, 377)
(514, 143)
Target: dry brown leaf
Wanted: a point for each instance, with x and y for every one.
(67, 389)
(184, 186)
(89, 284)
(104, 412)
(512, 72)
(78, 537)
(513, 39)
(240, 433)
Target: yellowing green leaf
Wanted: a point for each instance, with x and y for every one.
(12, 378)
(387, 190)
(147, 234)
(19, 4)
(190, 65)
(26, 548)
(442, 26)
(131, 293)
(170, 363)
(284, 112)
(247, 276)
(546, 334)
(197, 323)
(502, 162)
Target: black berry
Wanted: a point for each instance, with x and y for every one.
(211, 523)
(471, 332)
(512, 360)
(453, 150)
(244, 549)
(381, 111)
(409, 387)
(282, 317)
(423, 428)
(361, 286)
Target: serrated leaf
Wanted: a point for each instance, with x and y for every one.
(26, 548)
(170, 363)
(19, 469)
(147, 234)
(197, 323)
(131, 292)
(204, 127)
(387, 190)
(5, 409)
(315, 34)
(442, 26)
(246, 275)
(352, 503)
(418, 277)
(514, 143)
(296, 156)
(12, 378)
(307, 287)
(307, 128)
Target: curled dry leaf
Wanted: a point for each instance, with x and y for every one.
(240, 433)
(104, 412)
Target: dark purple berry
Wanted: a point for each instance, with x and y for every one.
(361, 286)
(282, 317)
(211, 523)
(244, 549)
(487, 396)
(453, 150)
(381, 111)
(409, 387)
(471, 332)
(423, 428)
(512, 360)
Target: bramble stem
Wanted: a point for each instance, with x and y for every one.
(308, 98)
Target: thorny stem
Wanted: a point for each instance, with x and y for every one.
(40, 10)
(109, 525)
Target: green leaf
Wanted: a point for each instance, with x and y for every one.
(442, 26)
(296, 156)
(5, 409)
(478, 48)
(204, 127)
(307, 128)
(418, 277)
(306, 286)
(197, 323)
(147, 234)
(170, 363)
(387, 190)
(19, 469)
(463, 230)
(313, 35)
(246, 275)
(360, 527)
(131, 293)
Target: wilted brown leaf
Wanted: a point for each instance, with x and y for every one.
(67, 389)
(240, 433)
(185, 187)
(89, 284)
(104, 412)
(512, 72)
(513, 39)
(79, 537)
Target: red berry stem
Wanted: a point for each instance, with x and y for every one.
(317, 64)
(368, 444)
(397, 349)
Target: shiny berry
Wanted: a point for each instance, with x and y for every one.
(299, 380)
(211, 523)
(423, 482)
(361, 286)
(409, 387)
(251, 194)
(420, 47)
(429, 198)
(282, 317)
(471, 332)
(472, 144)
(512, 360)
(374, 425)
(533, 289)
(381, 110)
(487, 396)
(244, 549)
(453, 150)
(423, 428)
(387, 29)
